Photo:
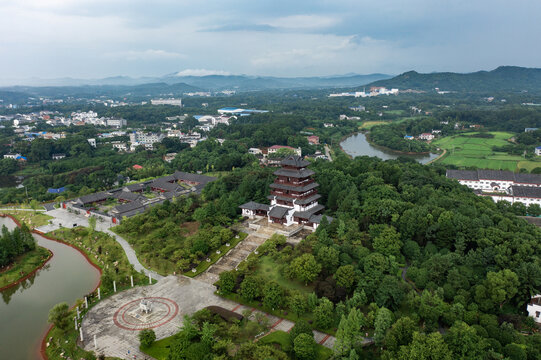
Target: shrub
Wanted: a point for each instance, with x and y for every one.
(147, 337)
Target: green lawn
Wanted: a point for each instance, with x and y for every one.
(270, 271)
(282, 339)
(467, 151)
(367, 125)
(24, 265)
(160, 349)
(31, 218)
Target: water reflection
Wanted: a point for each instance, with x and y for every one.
(357, 145)
(24, 309)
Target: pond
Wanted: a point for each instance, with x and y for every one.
(357, 145)
(24, 308)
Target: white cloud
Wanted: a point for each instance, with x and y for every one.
(149, 54)
(201, 72)
(303, 22)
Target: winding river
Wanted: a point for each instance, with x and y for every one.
(24, 308)
(357, 145)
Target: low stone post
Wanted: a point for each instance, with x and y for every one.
(131, 279)
(99, 295)
(81, 332)
(149, 279)
(114, 285)
(95, 343)
(86, 302)
(78, 312)
(75, 323)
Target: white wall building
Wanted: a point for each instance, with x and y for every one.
(501, 185)
(172, 101)
(117, 123)
(534, 308)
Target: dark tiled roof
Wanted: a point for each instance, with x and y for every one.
(166, 186)
(526, 191)
(202, 179)
(251, 205)
(307, 200)
(316, 219)
(462, 174)
(308, 213)
(135, 187)
(294, 188)
(89, 199)
(496, 175)
(294, 173)
(124, 208)
(296, 161)
(278, 212)
(126, 195)
(528, 178)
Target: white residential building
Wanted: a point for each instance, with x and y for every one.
(143, 138)
(172, 101)
(117, 123)
(534, 308)
(538, 151)
(426, 136)
(255, 151)
(120, 146)
(92, 142)
(12, 156)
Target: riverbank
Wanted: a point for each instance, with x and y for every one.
(397, 152)
(105, 254)
(358, 144)
(24, 267)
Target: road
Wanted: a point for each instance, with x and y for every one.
(63, 218)
(328, 152)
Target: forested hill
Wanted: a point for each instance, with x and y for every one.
(504, 78)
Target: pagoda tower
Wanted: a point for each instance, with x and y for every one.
(294, 197)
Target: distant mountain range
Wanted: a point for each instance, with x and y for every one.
(215, 82)
(504, 78)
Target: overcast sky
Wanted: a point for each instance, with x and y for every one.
(100, 38)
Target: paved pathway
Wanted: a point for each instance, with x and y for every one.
(235, 256)
(19, 209)
(328, 152)
(115, 321)
(64, 218)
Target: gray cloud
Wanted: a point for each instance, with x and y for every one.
(93, 38)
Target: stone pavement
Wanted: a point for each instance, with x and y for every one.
(64, 218)
(116, 321)
(234, 256)
(116, 335)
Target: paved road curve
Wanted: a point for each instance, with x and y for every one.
(64, 218)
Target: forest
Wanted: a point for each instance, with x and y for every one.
(15, 243)
(419, 262)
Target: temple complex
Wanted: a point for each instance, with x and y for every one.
(293, 197)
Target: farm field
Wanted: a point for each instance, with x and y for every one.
(464, 150)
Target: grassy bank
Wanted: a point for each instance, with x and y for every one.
(32, 218)
(23, 266)
(104, 252)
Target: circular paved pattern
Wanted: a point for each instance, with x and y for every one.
(129, 317)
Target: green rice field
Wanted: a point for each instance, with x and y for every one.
(466, 151)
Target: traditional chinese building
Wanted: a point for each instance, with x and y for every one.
(293, 197)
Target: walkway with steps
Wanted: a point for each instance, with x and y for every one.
(235, 256)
